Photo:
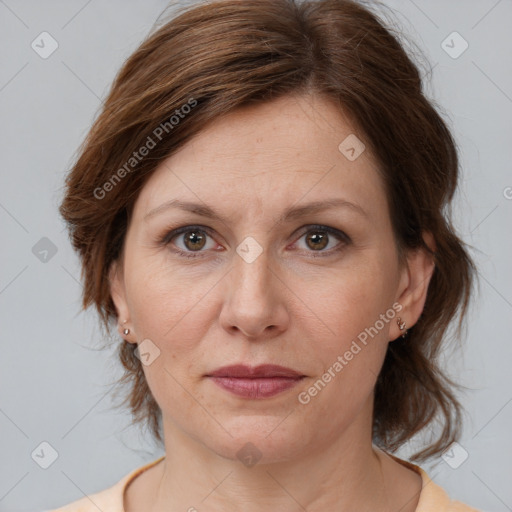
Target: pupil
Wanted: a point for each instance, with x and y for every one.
(194, 238)
(319, 238)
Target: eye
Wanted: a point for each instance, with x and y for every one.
(193, 239)
(317, 238)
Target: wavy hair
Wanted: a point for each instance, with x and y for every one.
(224, 54)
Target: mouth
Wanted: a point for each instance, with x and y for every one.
(258, 382)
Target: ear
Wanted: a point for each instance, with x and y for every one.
(118, 294)
(414, 281)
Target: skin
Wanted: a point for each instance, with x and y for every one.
(286, 307)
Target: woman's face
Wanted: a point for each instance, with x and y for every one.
(315, 291)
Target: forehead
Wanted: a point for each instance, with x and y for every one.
(268, 156)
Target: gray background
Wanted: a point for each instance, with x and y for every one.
(55, 384)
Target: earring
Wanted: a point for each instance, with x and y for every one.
(401, 326)
(126, 331)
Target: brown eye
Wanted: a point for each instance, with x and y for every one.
(317, 240)
(189, 241)
(194, 240)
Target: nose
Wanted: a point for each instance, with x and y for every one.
(254, 299)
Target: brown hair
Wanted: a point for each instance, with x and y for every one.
(225, 54)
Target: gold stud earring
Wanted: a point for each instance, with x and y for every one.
(402, 326)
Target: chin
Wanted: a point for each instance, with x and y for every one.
(260, 440)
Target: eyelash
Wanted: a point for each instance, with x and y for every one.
(169, 236)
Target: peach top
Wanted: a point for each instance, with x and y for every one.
(433, 498)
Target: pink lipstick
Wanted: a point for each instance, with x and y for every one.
(262, 381)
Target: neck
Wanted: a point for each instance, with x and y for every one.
(344, 475)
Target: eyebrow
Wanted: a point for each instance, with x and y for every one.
(289, 214)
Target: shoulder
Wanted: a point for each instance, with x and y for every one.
(433, 496)
(457, 506)
(109, 499)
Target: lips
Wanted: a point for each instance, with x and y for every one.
(258, 382)
(254, 372)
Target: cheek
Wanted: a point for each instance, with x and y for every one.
(353, 299)
(357, 307)
(172, 309)
(161, 298)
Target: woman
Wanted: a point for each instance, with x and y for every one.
(260, 208)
